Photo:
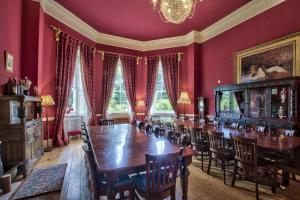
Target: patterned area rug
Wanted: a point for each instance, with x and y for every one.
(42, 181)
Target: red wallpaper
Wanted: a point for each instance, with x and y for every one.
(30, 35)
(201, 66)
(10, 36)
(217, 54)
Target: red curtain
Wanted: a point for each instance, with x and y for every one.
(152, 67)
(170, 65)
(87, 67)
(109, 70)
(129, 67)
(66, 56)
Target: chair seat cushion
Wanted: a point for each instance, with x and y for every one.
(74, 133)
(201, 146)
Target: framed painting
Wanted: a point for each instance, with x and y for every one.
(276, 59)
(9, 62)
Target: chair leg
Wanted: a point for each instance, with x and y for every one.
(209, 163)
(132, 194)
(224, 170)
(122, 195)
(256, 190)
(202, 160)
(173, 194)
(234, 174)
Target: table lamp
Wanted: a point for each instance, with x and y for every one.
(184, 99)
(140, 103)
(47, 100)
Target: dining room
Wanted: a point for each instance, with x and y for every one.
(154, 99)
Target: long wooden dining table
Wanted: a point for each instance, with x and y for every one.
(120, 150)
(264, 140)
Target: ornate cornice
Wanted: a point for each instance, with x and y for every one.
(248, 11)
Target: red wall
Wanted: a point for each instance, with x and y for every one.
(47, 56)
(201, 66)
(10, 36)
(217, 54)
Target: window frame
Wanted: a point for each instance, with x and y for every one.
(121, 89)
(76, 86)
(161, 91)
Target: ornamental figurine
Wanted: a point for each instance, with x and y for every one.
(25, 86)
(283, 95)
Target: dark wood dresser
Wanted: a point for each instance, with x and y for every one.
(21, 131)
(272, 103)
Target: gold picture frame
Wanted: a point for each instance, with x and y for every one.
(9, 62)
(276, 59)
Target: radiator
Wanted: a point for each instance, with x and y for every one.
(72, 123)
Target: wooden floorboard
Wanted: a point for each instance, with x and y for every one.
(201, 185)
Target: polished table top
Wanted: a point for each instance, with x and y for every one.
(122, 147)
(263, 140)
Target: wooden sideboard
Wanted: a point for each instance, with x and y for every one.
(272, 103)
(21, 131)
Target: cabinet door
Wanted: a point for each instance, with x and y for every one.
(29, 144)
(38, 145)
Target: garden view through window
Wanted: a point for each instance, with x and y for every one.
(77, 104)
(119, 101)
(161, 103)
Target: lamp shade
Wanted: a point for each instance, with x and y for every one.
(140, 103)
(47, 100)
(184, 98)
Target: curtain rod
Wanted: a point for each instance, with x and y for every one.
(158, 55)
(119, 54)
(57, 32)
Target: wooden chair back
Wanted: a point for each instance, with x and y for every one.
(160, 132)
(105, 122)
(288, 132)
(195, 137)
(149, 128)
(245, 150)
(91, 164)
(260, 129)
(234, 125)
(216, 142)
(161, 171)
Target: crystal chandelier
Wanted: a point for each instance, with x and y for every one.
(175, 11)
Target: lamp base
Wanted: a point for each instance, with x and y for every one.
(48, 149)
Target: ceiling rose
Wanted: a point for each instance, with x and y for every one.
(175, 11)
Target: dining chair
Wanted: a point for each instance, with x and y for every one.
(200, 144)
(149, 128)
(247, 164)
(287, 132)
(260, 129)
(160, 132)
(219, 151)
(99, 185)
(159, 182)
(234, 125)
(105, 122)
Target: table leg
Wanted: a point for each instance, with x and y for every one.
(110, 193)
(184, 179)
(285, 178)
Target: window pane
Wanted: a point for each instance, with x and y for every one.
(77, 99)
(119, 100)
(161, 100)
